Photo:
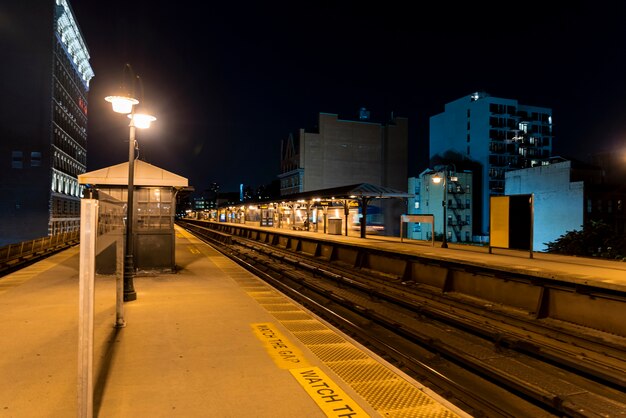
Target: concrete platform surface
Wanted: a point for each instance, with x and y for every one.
(210, 340)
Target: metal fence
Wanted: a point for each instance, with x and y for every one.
(14, 253)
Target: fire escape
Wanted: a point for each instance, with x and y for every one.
(456, 209)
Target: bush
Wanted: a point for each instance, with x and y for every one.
(596, 239)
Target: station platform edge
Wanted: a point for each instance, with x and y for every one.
(210, 340)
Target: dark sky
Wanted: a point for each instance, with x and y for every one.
(229, 80)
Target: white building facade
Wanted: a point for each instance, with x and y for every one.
(559, 203)
(429, 199)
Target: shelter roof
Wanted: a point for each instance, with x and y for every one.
(352, 191)
(145, 175)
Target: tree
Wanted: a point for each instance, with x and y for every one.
(596, 239)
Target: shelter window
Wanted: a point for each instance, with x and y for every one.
(154, 208)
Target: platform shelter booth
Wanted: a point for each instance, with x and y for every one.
(154, 209)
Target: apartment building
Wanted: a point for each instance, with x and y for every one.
(500, 134)
(43, 119)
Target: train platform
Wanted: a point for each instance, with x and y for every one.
(210, 340)
(608, 274)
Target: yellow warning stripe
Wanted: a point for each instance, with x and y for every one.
(327, 394)
(284, 353)
(388, 392)
(181, 233)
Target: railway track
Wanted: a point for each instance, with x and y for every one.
(488, 360)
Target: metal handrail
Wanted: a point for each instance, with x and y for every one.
(24, 249)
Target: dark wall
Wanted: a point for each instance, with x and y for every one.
(26, 47)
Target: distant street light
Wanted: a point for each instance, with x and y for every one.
(125, 103)
(444, 203)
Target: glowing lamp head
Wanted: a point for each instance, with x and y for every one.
(122, 104)
(141, 120)
(436, 178)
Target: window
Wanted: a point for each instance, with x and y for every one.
(153, 208)
(35, 159)
(16, 159)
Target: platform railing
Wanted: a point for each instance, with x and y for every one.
(20, 251)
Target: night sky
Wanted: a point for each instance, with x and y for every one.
(229, 80)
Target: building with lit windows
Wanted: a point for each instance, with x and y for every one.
(429, 199)
(342, 152)
(501, 134)
(43, 119)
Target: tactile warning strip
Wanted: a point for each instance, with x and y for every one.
(386, 391)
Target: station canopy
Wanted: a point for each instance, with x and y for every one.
(352, 191)
(145, 175)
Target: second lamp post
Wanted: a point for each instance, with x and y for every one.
(125, 103)
(444, 203)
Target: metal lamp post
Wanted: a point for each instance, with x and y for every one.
(125, 103)
(444, 203)
(437, 180)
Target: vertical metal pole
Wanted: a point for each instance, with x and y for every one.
(129, 262)
(88, 232)
(364, 201)
(432, 233)
(490, 215)
(531, 201)
(444, 242)
(120, 322)
(307, 223)
(8, 252)
(346, 211)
